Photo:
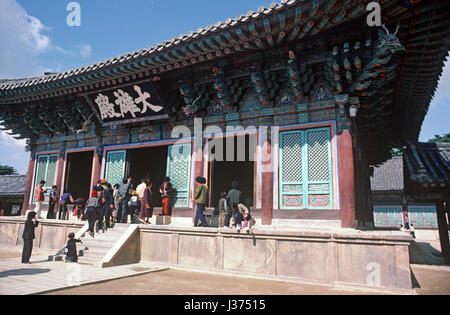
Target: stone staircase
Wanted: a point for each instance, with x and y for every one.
(93, 250)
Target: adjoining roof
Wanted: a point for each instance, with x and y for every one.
(389, 176)
(12, 185)
(426, 166)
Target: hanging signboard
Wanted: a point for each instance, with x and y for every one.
(127, 104)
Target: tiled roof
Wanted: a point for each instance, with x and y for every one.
(12, 185)
(425, 165)
(157, 49)
(389, 176)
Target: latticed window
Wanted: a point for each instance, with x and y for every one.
(115, 167)
(305, 173)
(45, 170)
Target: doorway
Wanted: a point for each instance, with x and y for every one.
(240, 168)
(79, 174)
(148, 162)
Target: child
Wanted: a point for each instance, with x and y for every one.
(223, 210)
(133, 204)
(92, 207)
(413, 231)
(72, 255)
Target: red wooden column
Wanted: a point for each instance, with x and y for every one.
(59, 178)
(198, 171)
(28, 188)
(347, 180)
(97, 168)
(267, 183)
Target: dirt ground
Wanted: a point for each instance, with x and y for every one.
(429, 280)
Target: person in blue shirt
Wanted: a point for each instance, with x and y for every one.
(63, 211)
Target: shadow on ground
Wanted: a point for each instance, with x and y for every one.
(23, 272)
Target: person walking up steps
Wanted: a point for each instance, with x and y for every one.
(93, 204)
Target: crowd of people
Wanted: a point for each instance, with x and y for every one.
(107, 205)
(233, 214)
(122, 203)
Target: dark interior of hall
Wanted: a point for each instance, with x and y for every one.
(148, 162)
(240, 168)
(78, 174)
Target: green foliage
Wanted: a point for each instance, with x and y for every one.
(440, 138)
(7, 170)
(396, 152)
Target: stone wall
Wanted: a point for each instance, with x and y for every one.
(344, 259)
(49, 234)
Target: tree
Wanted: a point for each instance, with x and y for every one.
(440, 138)
(7, 170)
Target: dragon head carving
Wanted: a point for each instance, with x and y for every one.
(389, 42)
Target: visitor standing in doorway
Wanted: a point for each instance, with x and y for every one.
(28, 237)
(53, 199)
(200, 199)
(166, 192)
(124, 196)
(146, 205)
(39, 199)
(223, 208)
(133, 204)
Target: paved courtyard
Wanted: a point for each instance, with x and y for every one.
(57, 278)
(43, 275)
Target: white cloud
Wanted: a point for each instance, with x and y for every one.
(22, 39)
(85, 50)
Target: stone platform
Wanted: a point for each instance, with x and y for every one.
(327, 256)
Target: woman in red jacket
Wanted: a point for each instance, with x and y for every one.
(39, 199)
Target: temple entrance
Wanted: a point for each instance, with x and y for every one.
(240, 168)
(148, 162)
(79, 174)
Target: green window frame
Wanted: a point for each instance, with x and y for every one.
(115, 166)
(45, 170)
(179, 171)
(305, 172)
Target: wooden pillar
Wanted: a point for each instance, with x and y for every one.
(443, 231)
(346, 180)
(59, 178)
(267, 183)
(198, 171)
(97, 168)
(29, 186)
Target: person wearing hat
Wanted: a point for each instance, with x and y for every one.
(133, 204)
(166, 191)
(39, 199)
(92, 206)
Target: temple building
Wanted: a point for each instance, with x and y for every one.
(297, 102)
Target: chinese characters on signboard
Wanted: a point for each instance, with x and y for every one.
(136, 102)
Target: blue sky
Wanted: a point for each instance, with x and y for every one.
(36, 38)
